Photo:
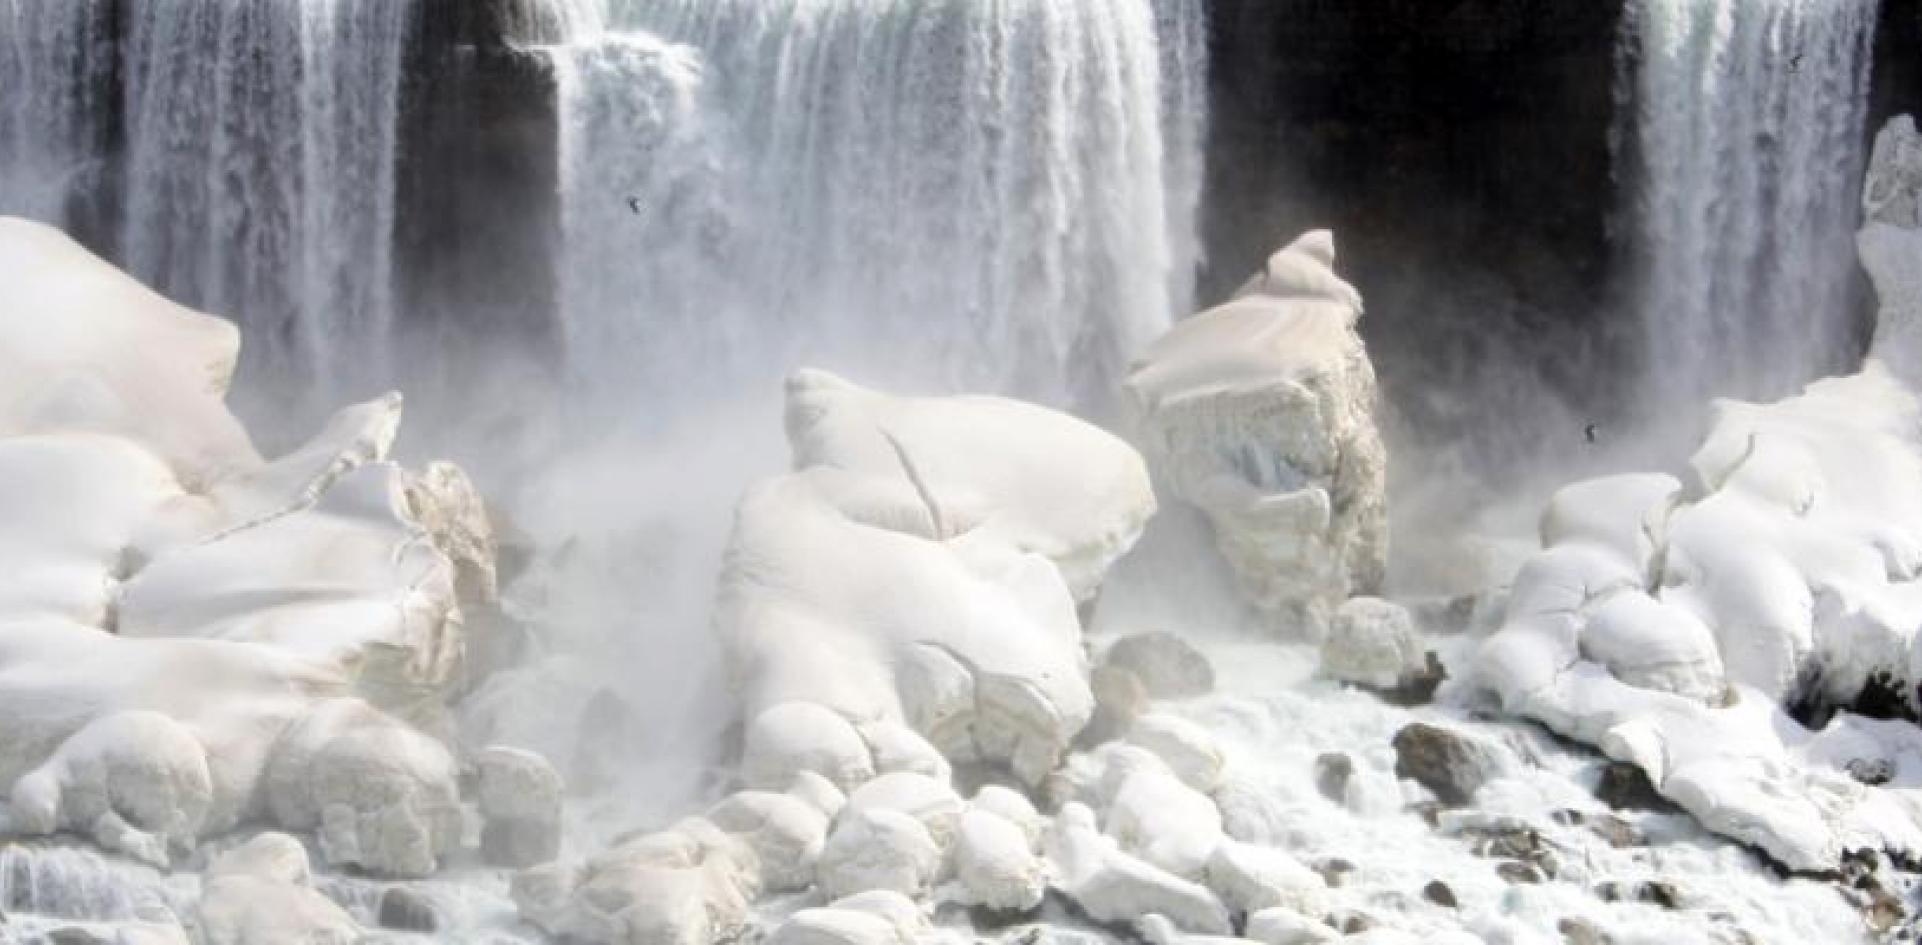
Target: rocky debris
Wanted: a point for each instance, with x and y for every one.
(1873, 772)
(404, 910)
(1579, 931)
(1335, 871)
(520, 797)
(1332, 773)
(1625, 786)
(1653, 892)
(1260, 413)
(1451, 765)
(1517, 873)
(1168, 666)
(1438, 893)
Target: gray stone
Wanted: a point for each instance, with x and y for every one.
(1451, 765)
(404, 910)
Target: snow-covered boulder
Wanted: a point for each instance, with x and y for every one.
(1185, 747)
(1261, 413)
(786, 833)
(1114, 887)
(921, 568)
(995, 864)
(878, 848)
(1250, 878)
(688, 885)
(261, 893)
(872, 918)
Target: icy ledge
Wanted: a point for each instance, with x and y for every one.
(194, 638)
(1670, 624)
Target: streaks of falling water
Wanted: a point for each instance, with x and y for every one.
(1748, 129)
(261, 144)
(77, 883)
(55, 60)
(983, 192)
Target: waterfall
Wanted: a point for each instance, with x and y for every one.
(77, 883)
(54, 56)
(1748, 147)
(260, 179)
(932, 194)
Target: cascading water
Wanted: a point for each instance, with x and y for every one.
(53, 55)
(74, 883)
(260, 178)
(1748, 150)
(991, 193)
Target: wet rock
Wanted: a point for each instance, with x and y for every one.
(1626, 787)
(1517, 873)
(1373, 644)
(1873, 772)
(1168, 666)
(1613, 830)
(1438, 893)
(1579, 931)
(404, 910)
(1332, 773)
(1445, 762)
(1654, 892)
(1335, 871)
(1352, 922)
(75, 935)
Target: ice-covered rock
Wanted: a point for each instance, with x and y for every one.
(261, 893)
(1114, 887)
(920, 568)
(1184, 746)
(520, 798)
(787, 835)
(878, 848)
(1164, 821)
(1250, 878)
(930, 801)
(1279, 925)
(995, 864)
(872, 918)
(688, 885)
(1261, 414)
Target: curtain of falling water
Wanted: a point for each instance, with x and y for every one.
(260, 178)
(931, 193)
(55, 58)
(1748, 129)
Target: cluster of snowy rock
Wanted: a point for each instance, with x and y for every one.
(196, 640)
(1704, 630)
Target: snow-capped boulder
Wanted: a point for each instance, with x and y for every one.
(1373, 643)
(137, 782)
(1261, 413)
(1115, 888)
(1185, 747)
(1283, 926)
(878, 848)
(688, 885)
(786, 832)
(988, 470)
(1165, 822)
(995, 864)
(1250, 878)
(378, 794)
(920, 568)
(1168, 666)
(261, 893)
(520, 797)
(930, 801)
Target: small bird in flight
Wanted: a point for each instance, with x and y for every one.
(634, 204)
(1795, 63)
(1589, 432)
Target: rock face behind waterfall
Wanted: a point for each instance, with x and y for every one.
(1261, 413)
(192, 637)
(1742, 636)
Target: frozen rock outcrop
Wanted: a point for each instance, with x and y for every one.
(1890, 244)
(261, 893)
(1373, 643)
(921, 568)
(520, 797)
(1261, 413)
